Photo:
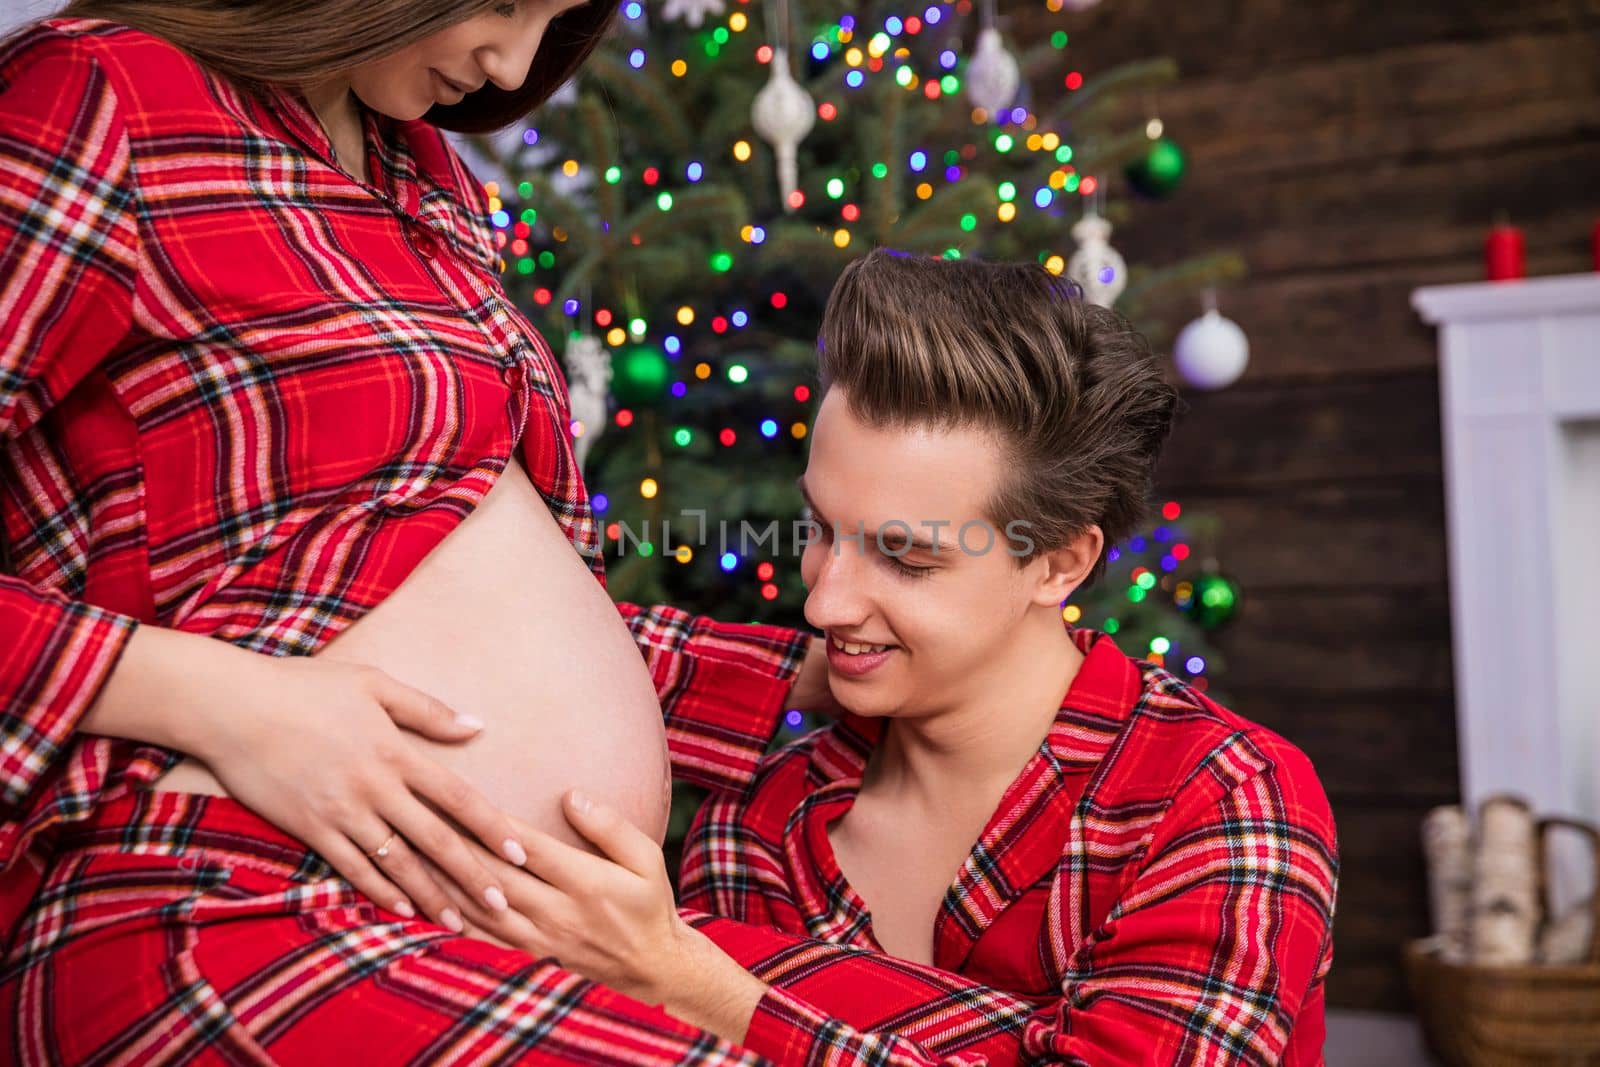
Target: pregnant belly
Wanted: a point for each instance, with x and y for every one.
(503, 620)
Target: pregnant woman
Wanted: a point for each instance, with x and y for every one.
(300, 574)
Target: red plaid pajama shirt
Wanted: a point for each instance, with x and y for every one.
(242, 394)
(1155, 887)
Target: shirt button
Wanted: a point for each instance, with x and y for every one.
(425, 245)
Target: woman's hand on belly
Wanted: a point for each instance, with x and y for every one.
(315, 747)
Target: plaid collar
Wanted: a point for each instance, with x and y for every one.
(403, 166)
(1024, 839)
(413, 170)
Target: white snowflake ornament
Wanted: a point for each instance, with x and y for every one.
(993, 75)
(588, 384)
(692, 12)
(1096, 266)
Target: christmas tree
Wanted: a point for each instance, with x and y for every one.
(675, 218)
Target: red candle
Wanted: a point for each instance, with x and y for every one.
(1505, 256)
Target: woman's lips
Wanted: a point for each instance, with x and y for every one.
(448, 84)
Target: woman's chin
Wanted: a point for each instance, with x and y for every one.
(407, 108)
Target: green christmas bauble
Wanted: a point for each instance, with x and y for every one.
(1213, 601)
(639, 377)
(1158, 173)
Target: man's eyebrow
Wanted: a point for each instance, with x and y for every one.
(891, 536)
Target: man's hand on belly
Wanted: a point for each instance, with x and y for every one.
(536, 901)
(612, 918)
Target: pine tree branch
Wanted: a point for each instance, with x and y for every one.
(647, 98)
(1111, 89)
(800, 247)
(656, 270)
(557, 209)
(1197, 272)
(935, 224)
(578, 276)
(601, 152)
(717, 211)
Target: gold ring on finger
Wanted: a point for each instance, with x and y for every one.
(383, 850)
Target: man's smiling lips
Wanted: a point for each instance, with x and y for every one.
(855, 659)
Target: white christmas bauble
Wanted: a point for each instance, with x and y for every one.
(783, 113)
(588, 383)
(1096, 266)
(692, 12)
(993, 76)
(1211, 352)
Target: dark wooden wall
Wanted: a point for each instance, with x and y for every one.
(1350, 150)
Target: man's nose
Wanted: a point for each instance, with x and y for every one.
(838, 596)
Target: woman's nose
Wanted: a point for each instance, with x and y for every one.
(509, 61)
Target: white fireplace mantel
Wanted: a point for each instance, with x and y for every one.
(1519, 372)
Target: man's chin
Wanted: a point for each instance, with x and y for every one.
(869, 705)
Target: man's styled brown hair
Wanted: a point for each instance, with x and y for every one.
(301, 42)
(1073, 393)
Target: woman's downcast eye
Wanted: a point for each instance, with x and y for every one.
(507, 10)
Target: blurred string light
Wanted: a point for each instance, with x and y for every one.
(860, 52)
(1151, 558)
(882, 52)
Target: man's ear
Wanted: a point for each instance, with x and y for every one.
(1065, 568)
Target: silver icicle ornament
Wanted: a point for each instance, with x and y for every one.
(783, 113)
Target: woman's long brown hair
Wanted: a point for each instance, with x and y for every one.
(301, 42)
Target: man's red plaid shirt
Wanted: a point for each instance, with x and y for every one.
(1155, 887)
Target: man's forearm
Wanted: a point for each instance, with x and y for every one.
(710, 990)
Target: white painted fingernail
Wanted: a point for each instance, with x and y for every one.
(514, 851)
(404, 908)
(449, 918)
(468, 722)
(496, 899)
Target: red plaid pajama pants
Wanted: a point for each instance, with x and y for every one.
(178, 927)
(182, 928)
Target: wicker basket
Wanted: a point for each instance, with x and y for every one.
(1512, 1016)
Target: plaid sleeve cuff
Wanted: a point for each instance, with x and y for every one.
(722, 687)
(55, 655)
(785, 1029)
